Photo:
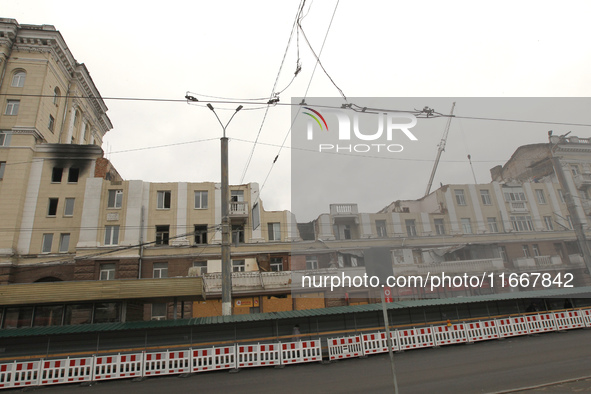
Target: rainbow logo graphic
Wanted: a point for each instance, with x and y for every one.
(316, 119)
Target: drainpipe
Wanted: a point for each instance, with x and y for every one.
(139, 274)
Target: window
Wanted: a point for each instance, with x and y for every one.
(111, 235)
(574, 169)
(18, 79)
(411, 229)
(201, 199)
(46, 244)
(2, 138)
(466, 226)
(525, 249)
(69, 207)
(237, 233)
(162, 235)
(51, 123)
(570, 222)
(439, 226)
(503, 253)
(202, 265)
(12, 107)
(2, 168)
(159, 311)
(56, 96)
(460, 198)
(560, 195)
(201, 234)
(536, 250)
(276, 264)
(485, 197)
(56, 174)
(52, 207)
(73, 175)
(238, 265)
(492, 225)
(236, 195)
(514, 196)
(160, 270)
(163, 200)
(86, 131)
(522, 223)
(274, 231)
(107, 272)
(115, 199)
(548, 223)
(381, 228)
(311, 263)
(64, 243)
(540, 196)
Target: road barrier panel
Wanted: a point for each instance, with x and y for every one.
(6, 371)
(215, 358)
(301, 352)
(167, 363)
(25, 374)
(415, 338)
(482, 331)
(65, 371)
(346, 347)
(448, 335)
(586, 317)
(541, 322)
(569, 320)
(118, 366)
(258, 355)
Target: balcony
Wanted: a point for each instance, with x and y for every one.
(582, 180)
(518, 207)
(343, 209)
(526, 263)
(238, 209)
(461, 266)
(248, 281)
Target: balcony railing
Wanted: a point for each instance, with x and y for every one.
(239, 208)
(461, 266)
(537, 262)
(583, 179)
(518, 206)
(343, 209)
(246, 281)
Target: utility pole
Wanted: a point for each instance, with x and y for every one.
(570, 203)
(226, 260)
(440, 149)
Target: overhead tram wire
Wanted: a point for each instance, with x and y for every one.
(305, 94)
(273, 90)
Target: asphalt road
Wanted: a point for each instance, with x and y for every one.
(483, 367)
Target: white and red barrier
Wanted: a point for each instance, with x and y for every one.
(301, 352)
(542, 322)
(346, 347)
(415, 338)
(569, 320)
(118, 366)
(47, 372)
(167, 363)
(67, 370)
(447, 335)
(481, 331)
(258, 355)
(214, 358)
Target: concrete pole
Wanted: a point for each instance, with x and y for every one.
(389, 341)
(226, 261)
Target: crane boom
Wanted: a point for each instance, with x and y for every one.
(440, 149)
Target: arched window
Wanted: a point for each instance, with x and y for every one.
(18, 79)
(56, 95)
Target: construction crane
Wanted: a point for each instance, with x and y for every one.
(440, 149)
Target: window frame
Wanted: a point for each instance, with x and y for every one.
(460, 197)
(238, 265)
(411, 227)
(162, 234)
(72, 202)
(161, 268)
(276, 262)
(485, 197)
(492, 225)
(522, 223)
(548, 223)
(2, 169)
(112, 231)
(73, 175)
(274, 231)
(51, 208)
(12, 107)
(201, 196)
(51, 124)
(46, 239)
(19, 76)
(161, 199)
(381, 228)
(64, 236)
(117, 199)
(540, 196)
(311, 262)
(439, 225)
(466, 226)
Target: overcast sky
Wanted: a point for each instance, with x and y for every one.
(374, 49)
